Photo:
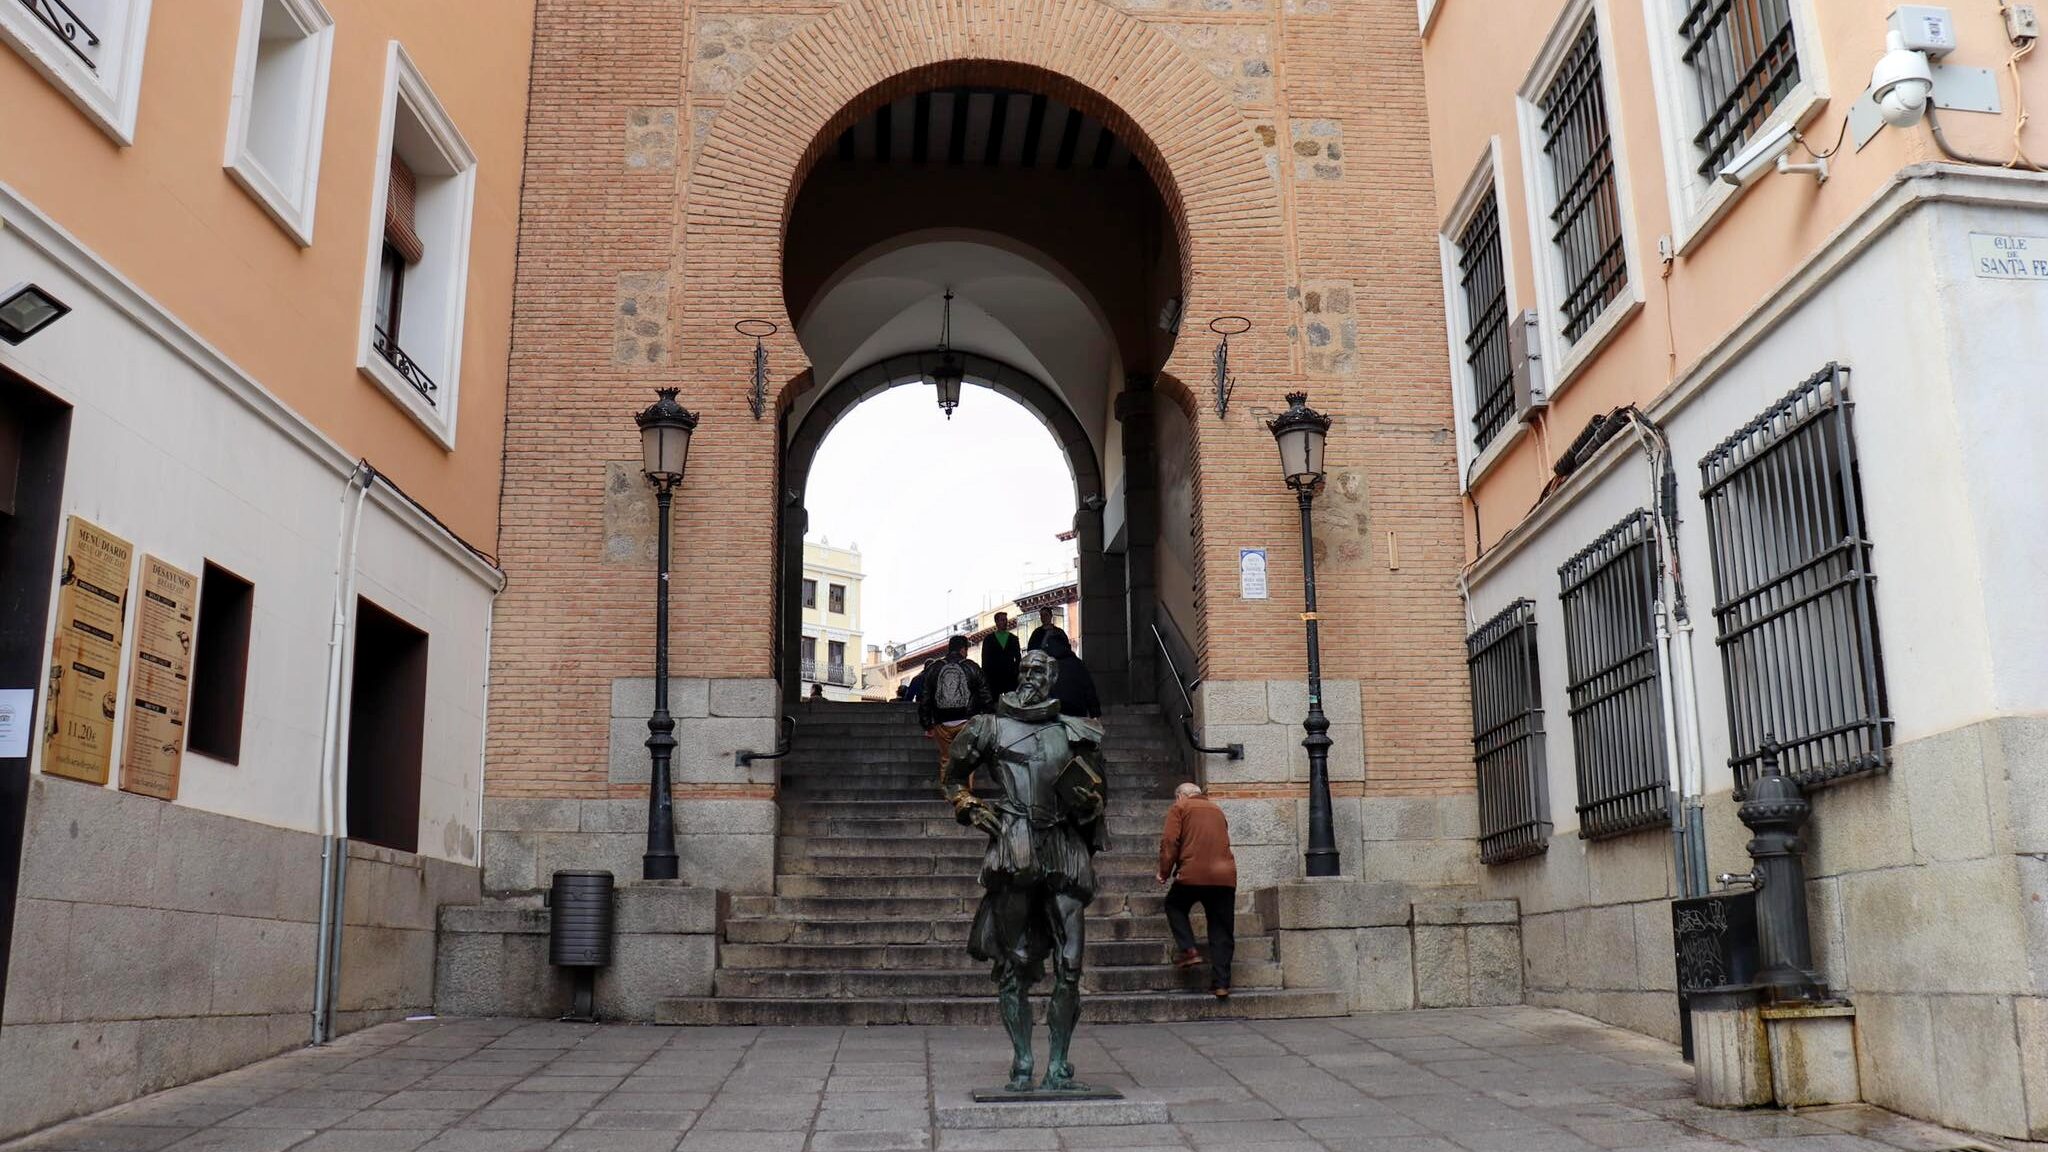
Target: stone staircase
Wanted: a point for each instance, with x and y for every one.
(876, 886)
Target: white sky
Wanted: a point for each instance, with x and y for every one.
(974, 505)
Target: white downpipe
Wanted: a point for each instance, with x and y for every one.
(1695, 756)
(333, 846)
(1681, 869)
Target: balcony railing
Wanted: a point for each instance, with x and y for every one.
(396, 357)
(58, 17)
(839, 675)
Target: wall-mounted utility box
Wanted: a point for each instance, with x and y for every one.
(1927, 28)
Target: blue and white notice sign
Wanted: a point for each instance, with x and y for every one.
(2005, 257)
(1251, 573)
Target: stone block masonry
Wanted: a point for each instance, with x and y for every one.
(1389, 947)
(725, 814)
(156, 944)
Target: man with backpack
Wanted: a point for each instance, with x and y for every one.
(953, 693)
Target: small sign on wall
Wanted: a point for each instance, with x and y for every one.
(1251, 573)
(2008, 257)
(85, 658)
(154, 742)
(17, 707)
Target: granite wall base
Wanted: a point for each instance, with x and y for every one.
(156, 944)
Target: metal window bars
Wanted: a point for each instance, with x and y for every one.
(1609, 591)
(1793, 590)
(1586, 217)
(412, 373)
(1483, 280)
(1507, 736)
(58, 17)
(1744, 58)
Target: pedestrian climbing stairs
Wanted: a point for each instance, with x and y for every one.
(876, 886)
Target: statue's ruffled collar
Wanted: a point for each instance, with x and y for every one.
(1043, 712)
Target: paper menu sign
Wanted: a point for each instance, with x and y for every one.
(85, 658)
(160, 684)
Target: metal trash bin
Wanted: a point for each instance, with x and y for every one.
(580, 920)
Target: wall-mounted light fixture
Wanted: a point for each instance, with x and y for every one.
(27, 309)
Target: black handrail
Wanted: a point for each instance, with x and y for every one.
(1187, 716)
(742, 758)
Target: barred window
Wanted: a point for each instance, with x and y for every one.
(1744, 60)
(1793, 591)
(1507, 736)
(1482, 278)
(1585, 217)
(1610, 592)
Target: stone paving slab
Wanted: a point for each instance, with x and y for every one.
(1456, 1080)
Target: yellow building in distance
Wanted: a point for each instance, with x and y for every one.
(831, 648)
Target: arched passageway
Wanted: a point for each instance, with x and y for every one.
(1064, 265)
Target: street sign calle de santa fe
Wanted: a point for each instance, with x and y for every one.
(2003, 257)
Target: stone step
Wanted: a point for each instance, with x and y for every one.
(948, 956)
(965, 863)
(852, 901)
(1148, 807)
(861, 983)
(1132, 885)
(796, 822)
(981, 1010)
(949, 928)
(956, 842)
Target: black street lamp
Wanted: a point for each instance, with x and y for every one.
(665, 429)
(1301, 432)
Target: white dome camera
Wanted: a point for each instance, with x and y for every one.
(1901, 83)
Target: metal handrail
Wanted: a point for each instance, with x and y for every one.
(742, 758)
(1187, 716)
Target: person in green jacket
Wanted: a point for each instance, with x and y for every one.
(999, 654)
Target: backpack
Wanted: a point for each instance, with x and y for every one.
(952, 692)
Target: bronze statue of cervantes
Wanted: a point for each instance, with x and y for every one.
(1039, 874)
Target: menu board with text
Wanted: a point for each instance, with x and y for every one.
(154, 740)
(85, 658)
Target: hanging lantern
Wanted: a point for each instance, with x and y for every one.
(950, 369)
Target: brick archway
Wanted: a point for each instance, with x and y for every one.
(1198, 147)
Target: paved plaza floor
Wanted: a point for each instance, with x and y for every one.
(1481, 1080)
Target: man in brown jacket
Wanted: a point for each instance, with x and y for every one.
(1194, 855)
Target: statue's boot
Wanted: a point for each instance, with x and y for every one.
(1017, 1021)
(1061, 1016)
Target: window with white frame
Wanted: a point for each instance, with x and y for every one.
(418, 269)
(90, 49)
(279, 107)
(1728, 70)
(1585, 210)
(1578, 192)
(1478, 310)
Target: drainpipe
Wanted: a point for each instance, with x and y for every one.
(333, 842)
(1681, 866)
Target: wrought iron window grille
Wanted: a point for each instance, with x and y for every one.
(1586, 216)
(1609, 592)
(411, 372)
(58, 17)
(1794, 609)
(1482, 278)
(1507, 736)
(1744, 59)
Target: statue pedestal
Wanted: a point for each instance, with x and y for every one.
(996, 1108)
(1033, 1096)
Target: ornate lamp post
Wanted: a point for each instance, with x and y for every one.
(1301, 432)
(665, 429)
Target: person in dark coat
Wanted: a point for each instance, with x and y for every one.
(1075, 688)
(999, 654)
(1045, 631)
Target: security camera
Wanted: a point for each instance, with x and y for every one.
(1749, 163)
(1901, 82)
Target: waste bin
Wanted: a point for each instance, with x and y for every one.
(580, 921)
